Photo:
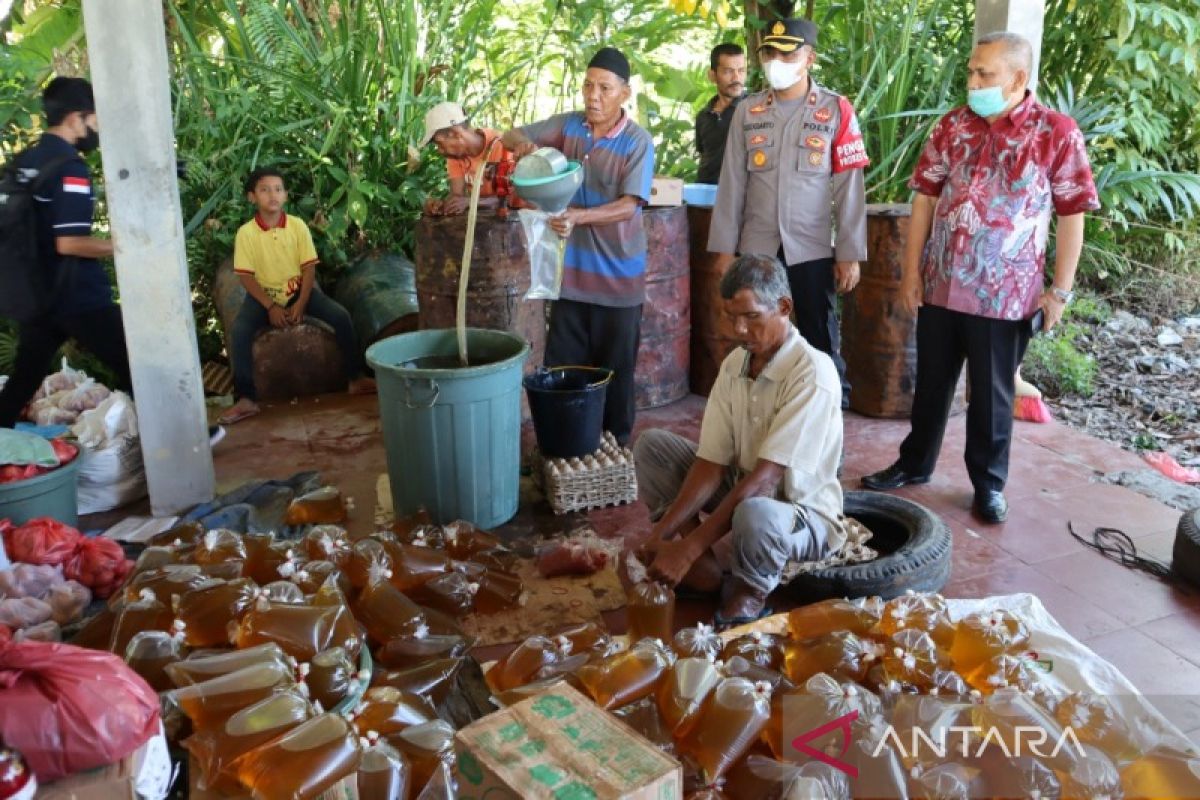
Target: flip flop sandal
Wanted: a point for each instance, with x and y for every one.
(722, 623)
(229, 419)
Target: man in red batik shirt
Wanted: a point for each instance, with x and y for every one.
(991, 176)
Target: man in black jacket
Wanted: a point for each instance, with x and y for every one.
(84, 309)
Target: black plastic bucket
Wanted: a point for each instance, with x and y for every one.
(567, 406)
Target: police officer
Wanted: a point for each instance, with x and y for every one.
(794, 160)
(84, 309)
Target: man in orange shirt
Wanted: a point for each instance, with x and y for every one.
(463, 148)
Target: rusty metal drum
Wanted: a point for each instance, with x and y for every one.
(497, 285)
(288, 362)
(879, 338)
(664, 354)
(710, 342)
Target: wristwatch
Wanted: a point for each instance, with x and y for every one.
(1064, 295)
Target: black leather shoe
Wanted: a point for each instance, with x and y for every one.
(991, 506)
(893, 477)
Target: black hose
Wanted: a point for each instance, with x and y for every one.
(1116, 545)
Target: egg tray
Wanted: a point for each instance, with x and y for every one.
(604, 478)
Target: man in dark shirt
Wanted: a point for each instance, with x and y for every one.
(728, 71)
(84, 309)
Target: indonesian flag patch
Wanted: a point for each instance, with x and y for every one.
(77, 185)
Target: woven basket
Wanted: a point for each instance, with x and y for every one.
(605, 478)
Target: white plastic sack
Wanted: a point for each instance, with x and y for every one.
(49, 411)
(113, 419)
(87, 395)
(111, 476)
(64, 380)
(545, 248)
(63, 395)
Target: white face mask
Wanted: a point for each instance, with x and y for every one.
(782, 74)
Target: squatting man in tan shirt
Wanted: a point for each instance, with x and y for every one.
(765, 470)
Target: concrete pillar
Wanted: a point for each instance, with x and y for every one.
(1025, 17)
(128, 55)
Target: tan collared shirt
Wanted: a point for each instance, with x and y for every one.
(791, 414)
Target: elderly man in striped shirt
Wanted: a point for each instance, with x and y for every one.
(597, 321)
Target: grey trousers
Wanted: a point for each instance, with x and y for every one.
(766, 533)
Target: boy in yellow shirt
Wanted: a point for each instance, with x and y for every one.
(274, 257)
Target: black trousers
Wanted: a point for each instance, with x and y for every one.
(814, 295)
(100, 332)
(993, 350)
(589, 335)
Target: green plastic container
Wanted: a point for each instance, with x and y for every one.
(452, 433)
(50, 495)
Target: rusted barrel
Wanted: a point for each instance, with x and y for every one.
(288, 362)
(710, 344)
(664, 354)
(498, 282)
(380, 292)
(879, 338)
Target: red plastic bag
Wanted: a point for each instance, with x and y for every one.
(568, 559)
(41, 541)
(11, 473)
(69, 709)
(1164, 463)
(66, 452)
(6, 635)
(98, 564)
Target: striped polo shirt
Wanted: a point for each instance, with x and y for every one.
(603, 264)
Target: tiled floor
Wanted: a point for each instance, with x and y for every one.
(1148, 629)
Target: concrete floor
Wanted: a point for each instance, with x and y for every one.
(1147, 629)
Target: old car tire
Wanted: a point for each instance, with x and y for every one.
(915, 547)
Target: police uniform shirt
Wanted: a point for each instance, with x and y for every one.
(65, 206)
(790, 167)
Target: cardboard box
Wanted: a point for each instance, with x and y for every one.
(666, 191)
(558, 745)
(345, 789)
(145, 773)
